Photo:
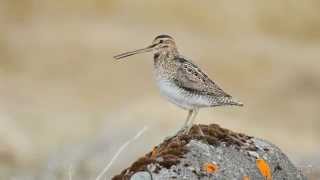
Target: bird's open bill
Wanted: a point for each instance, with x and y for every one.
(126, 54)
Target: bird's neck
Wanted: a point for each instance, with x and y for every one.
(166, 54)
(164, 63)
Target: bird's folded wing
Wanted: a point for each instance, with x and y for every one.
(191, 78)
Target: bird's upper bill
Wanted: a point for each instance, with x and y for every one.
(160, 42)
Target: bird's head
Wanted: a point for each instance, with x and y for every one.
(162, 43)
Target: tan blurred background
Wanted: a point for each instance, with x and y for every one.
(66, 105)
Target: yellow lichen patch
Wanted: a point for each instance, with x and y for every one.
(264, 168)
(210, 167)
(246, 178)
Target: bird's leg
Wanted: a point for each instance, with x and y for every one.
(200, 130)
(194, 116)
(189, 125)
(185, 126)
(187, 120)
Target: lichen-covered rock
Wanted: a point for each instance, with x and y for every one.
(216, 153)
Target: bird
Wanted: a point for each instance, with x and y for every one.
(181, 81)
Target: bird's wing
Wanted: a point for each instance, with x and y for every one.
(190, 77)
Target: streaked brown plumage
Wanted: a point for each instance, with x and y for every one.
(181, 81)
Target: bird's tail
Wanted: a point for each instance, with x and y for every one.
(236, 103)
(230, 101)
(233, 102)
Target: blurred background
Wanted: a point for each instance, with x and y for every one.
(66, 105)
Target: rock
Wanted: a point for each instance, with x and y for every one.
(142, 175)
(218, 154)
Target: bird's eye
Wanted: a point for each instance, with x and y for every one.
(161, 41)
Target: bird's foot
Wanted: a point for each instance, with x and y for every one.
(200, 131)
(185, 130)
(188, 128)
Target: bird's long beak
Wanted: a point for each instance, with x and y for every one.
(126, 54)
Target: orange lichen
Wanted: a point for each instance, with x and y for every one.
(264, 168)
(210, 167)
(246, 178)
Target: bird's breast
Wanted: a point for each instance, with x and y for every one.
(180, 96)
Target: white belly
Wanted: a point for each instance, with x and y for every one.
(181, 97)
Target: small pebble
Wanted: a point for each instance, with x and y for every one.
(254, 154)
(142, 175)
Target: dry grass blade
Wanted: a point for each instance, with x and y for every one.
(119, 152)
